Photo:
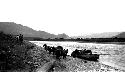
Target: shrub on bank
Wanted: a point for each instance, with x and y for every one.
(14, 55)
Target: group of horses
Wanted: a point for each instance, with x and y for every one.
(57, 51)
(82, 54)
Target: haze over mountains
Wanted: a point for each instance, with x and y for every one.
(13, 28)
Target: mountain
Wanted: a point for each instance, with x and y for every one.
(62, 36)
(99, 35)
(121, 35)
(13, 28)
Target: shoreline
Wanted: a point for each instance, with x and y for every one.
(117, 43)
(115, 67)
(102, 64)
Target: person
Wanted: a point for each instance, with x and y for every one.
(21, 38)
(17, 38)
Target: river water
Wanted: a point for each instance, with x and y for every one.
(115, 57)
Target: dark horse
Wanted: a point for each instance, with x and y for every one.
(46, 47)
(60, 52)
(64, 53)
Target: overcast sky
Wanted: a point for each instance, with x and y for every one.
(73, 17)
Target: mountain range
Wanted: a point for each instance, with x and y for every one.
(13, 28)
(102, 35)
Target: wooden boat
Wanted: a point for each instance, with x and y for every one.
(85, 55)
(90, 57)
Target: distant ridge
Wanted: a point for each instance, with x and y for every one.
(121, 35)
(13, 28)
(99, 35)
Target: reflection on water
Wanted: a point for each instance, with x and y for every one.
(116, 57)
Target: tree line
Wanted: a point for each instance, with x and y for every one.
(115, 39)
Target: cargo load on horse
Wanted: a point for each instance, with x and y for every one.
(57, 51)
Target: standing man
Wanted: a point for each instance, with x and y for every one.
(21, 38)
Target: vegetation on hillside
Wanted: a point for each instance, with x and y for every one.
(13, 54)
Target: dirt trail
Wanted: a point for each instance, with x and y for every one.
(45, 67)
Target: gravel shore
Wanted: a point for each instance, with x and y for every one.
(71, 64)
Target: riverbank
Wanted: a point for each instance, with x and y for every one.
(71, 64)
(102, 66)
(28, 57)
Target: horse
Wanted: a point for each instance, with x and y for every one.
(64, 53)
(45, 47)
(59, 51)
(50, 49)
(53, 49)
(59, 47)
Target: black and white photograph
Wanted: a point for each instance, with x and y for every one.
(62, 35)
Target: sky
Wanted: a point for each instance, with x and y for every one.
(73, 17)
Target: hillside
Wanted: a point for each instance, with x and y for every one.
(13, 28)
(121, 35)
(62, 35)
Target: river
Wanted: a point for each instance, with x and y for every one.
(115, 57)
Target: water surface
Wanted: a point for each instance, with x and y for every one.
(116, 57)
